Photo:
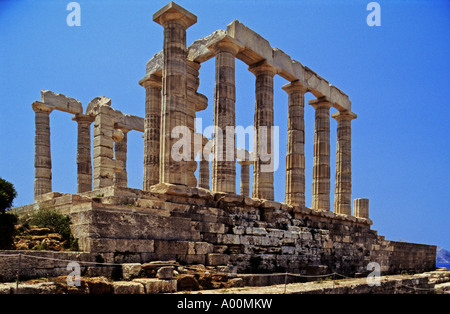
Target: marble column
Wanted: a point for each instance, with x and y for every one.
(245, 177)
(152, 128)
(224, 162)
(361, 207)
(343, 177)
(42, 153)
(120, 154)
(321, 163)
(175, 21)
(264, 120)
(295, 153)
(84, 163)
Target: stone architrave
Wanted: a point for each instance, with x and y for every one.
(264, 120)
(295, 152)
(152, 127)
(42, 153)
(224, 163)
(343, 177)
(175, 21)
(84, 164)
(321, 163)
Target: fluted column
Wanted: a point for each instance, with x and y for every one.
(245, 177)
(152, 128)
(84, 163)
(343, 177)
(42, 153)
(264, 121)
(175, 21)
(224, 163)
(295, 153)
(120, 154)
(321, 163)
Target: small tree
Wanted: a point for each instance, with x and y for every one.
(7, 195)
(7, 221)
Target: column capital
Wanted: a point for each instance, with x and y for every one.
(245, 162)
(344, 115)
(262, 67)
(322, 102)
(172, 12)
(295, 86)
(151, 81)
(227, 44)
(41, 107)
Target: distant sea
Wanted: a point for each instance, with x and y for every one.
(446, 265)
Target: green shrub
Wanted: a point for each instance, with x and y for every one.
(49, 218)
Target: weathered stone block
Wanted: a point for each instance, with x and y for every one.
(215, 259)
(127, 287)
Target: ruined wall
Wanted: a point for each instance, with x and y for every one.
(194, 225)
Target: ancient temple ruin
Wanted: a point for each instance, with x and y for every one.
(177, 215)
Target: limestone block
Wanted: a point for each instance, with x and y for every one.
(61, 102)
(283, 63)
(154, 286)
(316, 84)
(216, 259)
(127, 287)
(255, 231)
(165, 272)
(199, 51)
(203, 248)
(130, 270)
(339, 98)
(96, 104)
(259, 48)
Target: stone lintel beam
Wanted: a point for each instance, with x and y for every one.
(253, 49)
(61, 102)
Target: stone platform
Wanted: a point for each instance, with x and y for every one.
(197, 226)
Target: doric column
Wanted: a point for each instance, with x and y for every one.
(152, 128)
(361, 207)
(42, 154)
(264, 120)
(175, 21)
(192, 83)
(224, 163)
(120, 154)
(245, 177)
(84, 164)
(343, 177)
(321, 163)
(295, 153)
(203, 174)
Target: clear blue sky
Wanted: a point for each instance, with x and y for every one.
(396, 76)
